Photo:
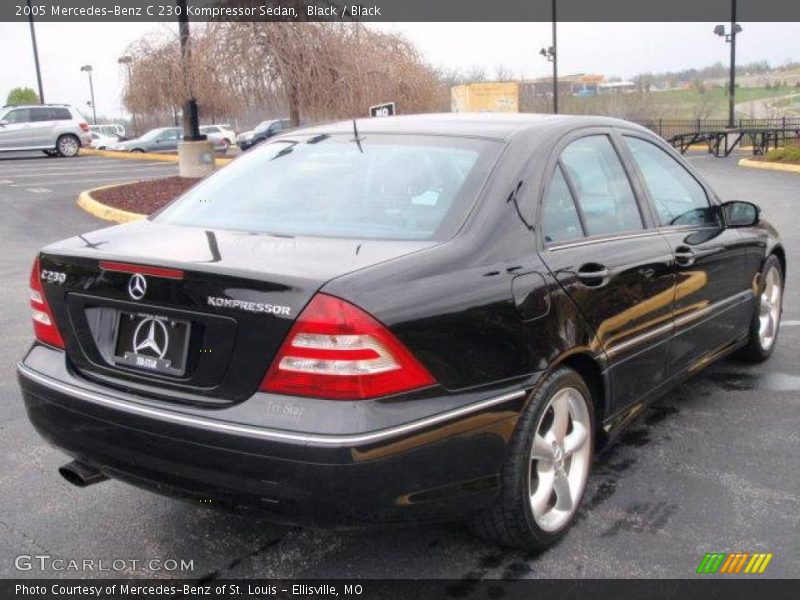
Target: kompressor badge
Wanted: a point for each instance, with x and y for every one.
(254, 307)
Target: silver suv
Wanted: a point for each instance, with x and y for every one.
(56, 129)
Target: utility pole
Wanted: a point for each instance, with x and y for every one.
(35, 53)
(555, 62)
(191, 122)
(732, 94)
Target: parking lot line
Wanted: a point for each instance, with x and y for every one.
(121, 179)
(88, 172)
(53, 168)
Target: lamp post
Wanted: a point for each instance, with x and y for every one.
(88, 69)
(35, 54)
(128, 61)
(730, 38)
(191, 122)
(551, 55)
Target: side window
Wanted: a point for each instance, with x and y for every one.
(61, 114)
(20, 115)
(560, 217)
(601, 186)
(679, 199)
(41, 114)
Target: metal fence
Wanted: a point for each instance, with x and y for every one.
(668, 128)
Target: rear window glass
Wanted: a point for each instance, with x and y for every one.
(384, 187)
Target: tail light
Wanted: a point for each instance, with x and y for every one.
(44, 326)
(83, 126)
(337, 351)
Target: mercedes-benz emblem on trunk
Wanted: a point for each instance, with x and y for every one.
(137, 286)
(151, 334)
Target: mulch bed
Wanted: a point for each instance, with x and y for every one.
(145, 197)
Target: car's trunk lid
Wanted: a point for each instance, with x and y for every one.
(215, 307)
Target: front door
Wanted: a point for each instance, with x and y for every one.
(613, 265)
(713, 294)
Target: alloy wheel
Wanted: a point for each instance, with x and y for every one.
(769, 312)
(68, 146)
(560, 459)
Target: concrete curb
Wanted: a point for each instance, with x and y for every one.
(173, 158)
(105, 212)
(769, 166)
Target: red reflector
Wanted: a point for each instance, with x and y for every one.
(84, 126)
(44, 326)
(337, 351)
(107, 265)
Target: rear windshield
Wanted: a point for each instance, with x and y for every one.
(382, 187)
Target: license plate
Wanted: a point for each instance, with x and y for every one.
(151, 343)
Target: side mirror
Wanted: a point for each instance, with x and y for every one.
(3, 123)
(740, 214)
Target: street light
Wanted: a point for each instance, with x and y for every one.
(550, 55)
(730, 38)
(88, 69)
(128, 61)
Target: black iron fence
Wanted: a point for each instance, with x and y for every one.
(669, 128)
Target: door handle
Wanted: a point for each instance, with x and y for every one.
(684, 256)
(592, 274)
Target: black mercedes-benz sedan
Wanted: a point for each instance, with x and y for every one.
(424, 317)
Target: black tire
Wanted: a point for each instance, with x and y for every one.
(51, 153)
(754, 351)
(68, 145)
(510, 521)
(225, 145)
(137, 151)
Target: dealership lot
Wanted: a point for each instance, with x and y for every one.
(710, 467)
(32, 173)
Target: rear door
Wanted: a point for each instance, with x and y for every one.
(713, 296)
(601, 247)
(42, 125)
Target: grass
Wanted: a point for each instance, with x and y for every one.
(788, 154)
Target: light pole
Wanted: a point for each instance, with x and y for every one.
(191, 121)
(88, 69)
(731, 39)
(551, 55)
(128, 61)
(35, 53)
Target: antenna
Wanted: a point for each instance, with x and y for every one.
(356, 138)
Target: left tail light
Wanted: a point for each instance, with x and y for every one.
(337, 351)
(44, 326)
(83, 126)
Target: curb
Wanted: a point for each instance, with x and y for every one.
(173, 158)
(769, 166)
(105, 212)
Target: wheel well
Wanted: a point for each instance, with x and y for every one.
(592, 374)
(781, 254)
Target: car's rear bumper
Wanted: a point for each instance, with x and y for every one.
(439, 467)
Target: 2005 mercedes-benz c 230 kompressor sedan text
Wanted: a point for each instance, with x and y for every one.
(428, 317)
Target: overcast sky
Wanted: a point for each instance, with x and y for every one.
(623, 49)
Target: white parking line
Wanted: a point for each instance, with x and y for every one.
(84, 172)
(115, 165)
(40, 190)
(122, 179)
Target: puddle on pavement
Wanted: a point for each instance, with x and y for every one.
(741, 382)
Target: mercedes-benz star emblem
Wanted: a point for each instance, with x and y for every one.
(137, 286)
(151, 334)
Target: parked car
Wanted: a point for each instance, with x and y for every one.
(222, 136)
(263, 131)
(56, 129)
(163, 139)
(101, 142)
(109, 129)
(438, 316)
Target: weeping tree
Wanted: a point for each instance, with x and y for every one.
(314, 71)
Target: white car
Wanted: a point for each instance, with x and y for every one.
(101, 142)
(222, 136)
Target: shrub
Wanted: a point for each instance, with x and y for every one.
(786, 154)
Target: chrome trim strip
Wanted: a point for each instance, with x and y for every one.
(272, 434)
(676, 323)
(600, 240)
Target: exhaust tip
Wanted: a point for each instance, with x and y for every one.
(80, 474)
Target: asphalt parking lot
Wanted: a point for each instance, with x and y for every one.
(713, 466)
